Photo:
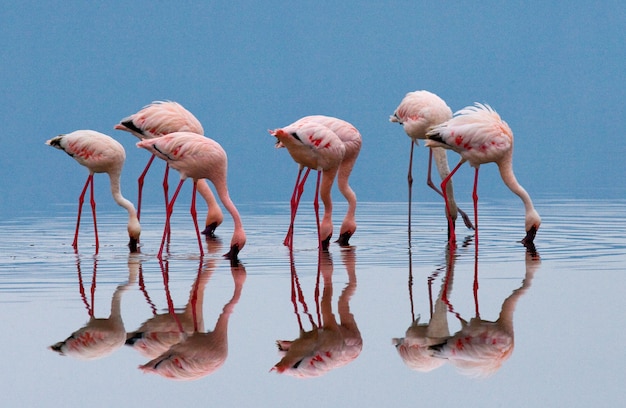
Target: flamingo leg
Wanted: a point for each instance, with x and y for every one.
(410, 182)
(93, 212)
(140, 186)
(444, 184)
(81, 200)
(194, 214)
(429, 181)
(168, 214)
(166, 191)
(316, 207)
(295, 202)
(475, 198)
(288, 241)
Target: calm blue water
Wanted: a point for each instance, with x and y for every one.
(508, 328)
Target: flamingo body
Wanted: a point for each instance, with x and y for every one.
(352, 140)
(480, 136)
(197, 157)
(418, 112)
(162, 118)
(316, 146)
(100, 154)
(159, 119)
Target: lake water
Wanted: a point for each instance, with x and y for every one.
(509, 328)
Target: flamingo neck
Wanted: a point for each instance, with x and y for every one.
(326, 227)
(349, 223)
(239, 235)
(134, 228)
(506, 172)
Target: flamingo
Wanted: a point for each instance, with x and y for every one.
(198, 157)
(315, 146)
(480, 136)
(351, 138)
(162, 118)
(100, 154)
(418, 112)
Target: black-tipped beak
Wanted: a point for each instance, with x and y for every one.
(232, 255)
(133, 245)
(344, 239)
(209, 231)
(325, 243)
(529, 239)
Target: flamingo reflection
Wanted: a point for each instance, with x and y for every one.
(415, 347)
(329, 344)
(197, 353)
(100, 337)
(481, 346)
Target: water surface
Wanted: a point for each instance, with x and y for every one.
(546, 322)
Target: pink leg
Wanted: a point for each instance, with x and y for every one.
(168, 214)
(316, 206)
(288, 241)
(166, 191)
(81, 200)
(444, 184)
(93, 212)
(430, 183)
(140, 186)
(194, 214)
(295, 202)
(475, 198)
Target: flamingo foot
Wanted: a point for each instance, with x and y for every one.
(132, 245)
(529, 239)
(344, 238)
(209, 231)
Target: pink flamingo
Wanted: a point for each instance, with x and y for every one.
(198, 157)
(480, 136)
(159, 119)
(315, 146)
(100, 154)
(418, 112)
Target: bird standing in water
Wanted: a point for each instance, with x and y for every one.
(159, 119)
(197, 157)
(351, 138)
(418, 112)
(317, 147)
(100, 154)
(480, 136)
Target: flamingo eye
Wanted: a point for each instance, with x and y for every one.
(294, 134)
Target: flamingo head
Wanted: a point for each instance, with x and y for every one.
(347, 230)
(236, 245)
(280, 136)
(533, 221)
(134, 230)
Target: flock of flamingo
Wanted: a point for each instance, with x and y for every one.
(325, 144)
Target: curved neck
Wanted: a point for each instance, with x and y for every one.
(506, 172)
(116, 192)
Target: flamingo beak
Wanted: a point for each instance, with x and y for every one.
(530, 236)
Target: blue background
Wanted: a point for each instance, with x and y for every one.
(554, 71)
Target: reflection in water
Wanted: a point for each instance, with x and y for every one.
(100, 336)
(414, 347)
(329, 344)
(177, 341)
(480, 347)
